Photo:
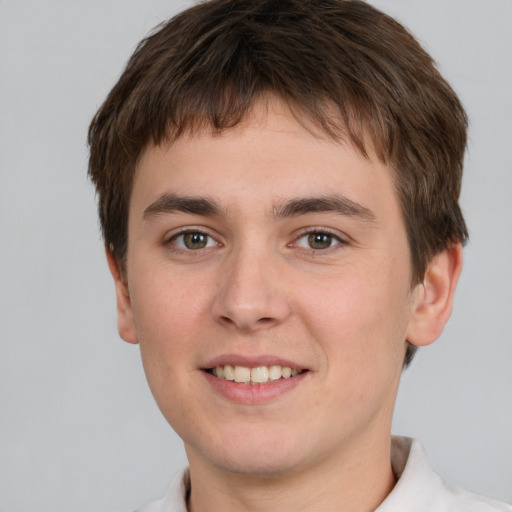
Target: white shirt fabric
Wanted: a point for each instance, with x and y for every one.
(418, 488)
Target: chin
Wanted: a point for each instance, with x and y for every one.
(268, 453)
(258, 464)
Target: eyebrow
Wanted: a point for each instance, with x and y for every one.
(173, 203)
(334, 203)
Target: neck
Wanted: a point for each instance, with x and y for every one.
(359, 481)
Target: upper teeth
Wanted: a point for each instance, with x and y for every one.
(257, 375)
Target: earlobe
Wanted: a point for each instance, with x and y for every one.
(433, 298)
(125, 323)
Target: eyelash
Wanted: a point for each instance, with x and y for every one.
(171, 242)
(334, 237)
(334, 240)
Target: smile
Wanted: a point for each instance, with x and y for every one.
(256, 375)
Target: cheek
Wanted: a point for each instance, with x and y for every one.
(360, 333)
(359, 320)
(163, 324)
(166, 305)
(167, 317)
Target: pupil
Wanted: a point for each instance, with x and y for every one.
(195, 240)
(319, 240)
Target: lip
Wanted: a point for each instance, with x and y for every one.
(251, 362)
(252, 394)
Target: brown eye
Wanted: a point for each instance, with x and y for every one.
(320, 240)
(193, 241)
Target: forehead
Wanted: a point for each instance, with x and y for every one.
(268, 157)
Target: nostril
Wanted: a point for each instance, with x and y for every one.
(246, 324)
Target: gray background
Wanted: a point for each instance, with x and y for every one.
(78, 427)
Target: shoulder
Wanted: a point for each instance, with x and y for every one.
(455, 499)
(419, 488)
(176, 498)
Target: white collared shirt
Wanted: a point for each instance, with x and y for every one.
(418, 488)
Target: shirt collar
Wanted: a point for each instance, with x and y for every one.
(417, 484)
(416, 488)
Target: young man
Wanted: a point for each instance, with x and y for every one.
(278, 187)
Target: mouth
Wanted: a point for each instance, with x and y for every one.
(253, 380)
(254, 375)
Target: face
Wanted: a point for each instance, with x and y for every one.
(269, 255)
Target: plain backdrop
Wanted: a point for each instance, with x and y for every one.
(78, 427)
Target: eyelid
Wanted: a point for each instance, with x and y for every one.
(341, 239)
(171, 237)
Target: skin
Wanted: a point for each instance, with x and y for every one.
(259, 289)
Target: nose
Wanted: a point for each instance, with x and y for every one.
(252, 293)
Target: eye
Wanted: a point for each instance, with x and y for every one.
(192, 241)
(318, 240)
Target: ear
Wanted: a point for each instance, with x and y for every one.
(433, 298)
(125, 323)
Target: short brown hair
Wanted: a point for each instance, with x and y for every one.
(342, 66)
